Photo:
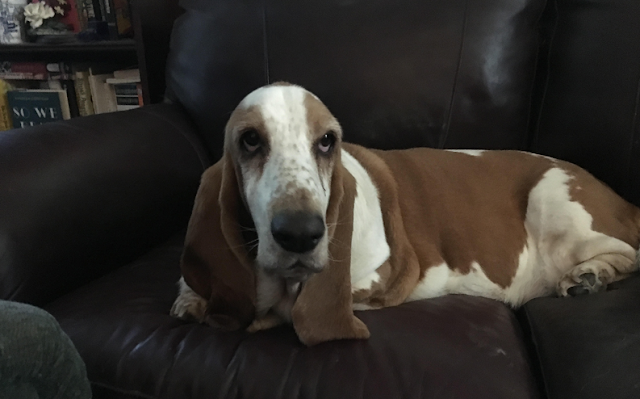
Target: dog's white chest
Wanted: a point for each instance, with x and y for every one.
(369, 247)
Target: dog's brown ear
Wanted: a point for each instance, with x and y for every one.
(215, 261)
(323, 310)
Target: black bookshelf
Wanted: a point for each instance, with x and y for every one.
(120, 51)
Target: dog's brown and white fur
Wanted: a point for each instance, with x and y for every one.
(506, 225)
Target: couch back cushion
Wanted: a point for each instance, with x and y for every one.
(590, 74)
(397, 74)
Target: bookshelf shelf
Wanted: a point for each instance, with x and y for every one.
(106, 45)
(118, 50)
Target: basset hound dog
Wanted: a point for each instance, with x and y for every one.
(294, 225)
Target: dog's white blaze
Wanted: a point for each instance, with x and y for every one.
(290, 166)
(369, 247)
(474, 153)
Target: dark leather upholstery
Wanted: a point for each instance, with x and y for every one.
(79, 198)
(588, 346)
(455, 347)
(83, 197)
(439, 73)
(589, 76)
(589, 80)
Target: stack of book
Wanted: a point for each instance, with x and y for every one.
(34, 93)
(111, 19)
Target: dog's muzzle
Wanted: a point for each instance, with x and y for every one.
(298, 232)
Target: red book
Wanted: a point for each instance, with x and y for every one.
(24, 70)
(72, 16)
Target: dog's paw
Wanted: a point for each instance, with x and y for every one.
(266, 322)
(583, 284)
(189, 306)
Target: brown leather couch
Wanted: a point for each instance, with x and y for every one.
(93, 210)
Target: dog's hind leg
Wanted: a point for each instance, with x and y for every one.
(595, 274)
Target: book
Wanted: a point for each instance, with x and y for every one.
(126, 75)
(109, 15)
(23, 70)
(123, 18)
(73, 17)
(5, 116)
(34, 107)
(126, 89)
(125, 103)
(102, 93)
(61, 77)
(128, 95)
(59, 71)
(83, 94)
(70, 87)
(83, 18)
(140, 94)
(92, 10)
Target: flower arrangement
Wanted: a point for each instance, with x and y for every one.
(46, 14)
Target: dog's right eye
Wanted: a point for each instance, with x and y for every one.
(251, 141)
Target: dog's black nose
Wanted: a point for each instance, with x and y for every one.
(297, 231)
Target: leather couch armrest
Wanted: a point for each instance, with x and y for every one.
(79, 198)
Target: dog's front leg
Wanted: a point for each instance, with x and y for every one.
(284, 294)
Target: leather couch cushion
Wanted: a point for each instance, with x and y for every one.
(588, 346)
(439, 73)
(454, 346)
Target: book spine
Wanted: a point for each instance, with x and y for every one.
(23, 70)
(83, 94)
(140, 95)
(59, 71)
(123, 18)
(72, 16)
(127, 100)
(70, 87)
(22, 76)
(98, 10)
(110, 17)
(88, 9)
(83, 20)
(5, 115)
(126, 89)
(128, 95)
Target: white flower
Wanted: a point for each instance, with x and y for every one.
(63, 2)
(59, 10)
(35, 13)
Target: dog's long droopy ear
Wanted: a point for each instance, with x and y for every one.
(215, 261)
(323, 310)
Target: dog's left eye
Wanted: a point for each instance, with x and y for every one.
(251, 141)
(326, 142)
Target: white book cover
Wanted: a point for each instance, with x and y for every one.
(102, 93)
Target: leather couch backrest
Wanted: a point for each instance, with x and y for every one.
(588, 84)
(557, 77)
(397, 74)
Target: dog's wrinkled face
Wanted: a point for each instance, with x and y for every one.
(284, 143)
